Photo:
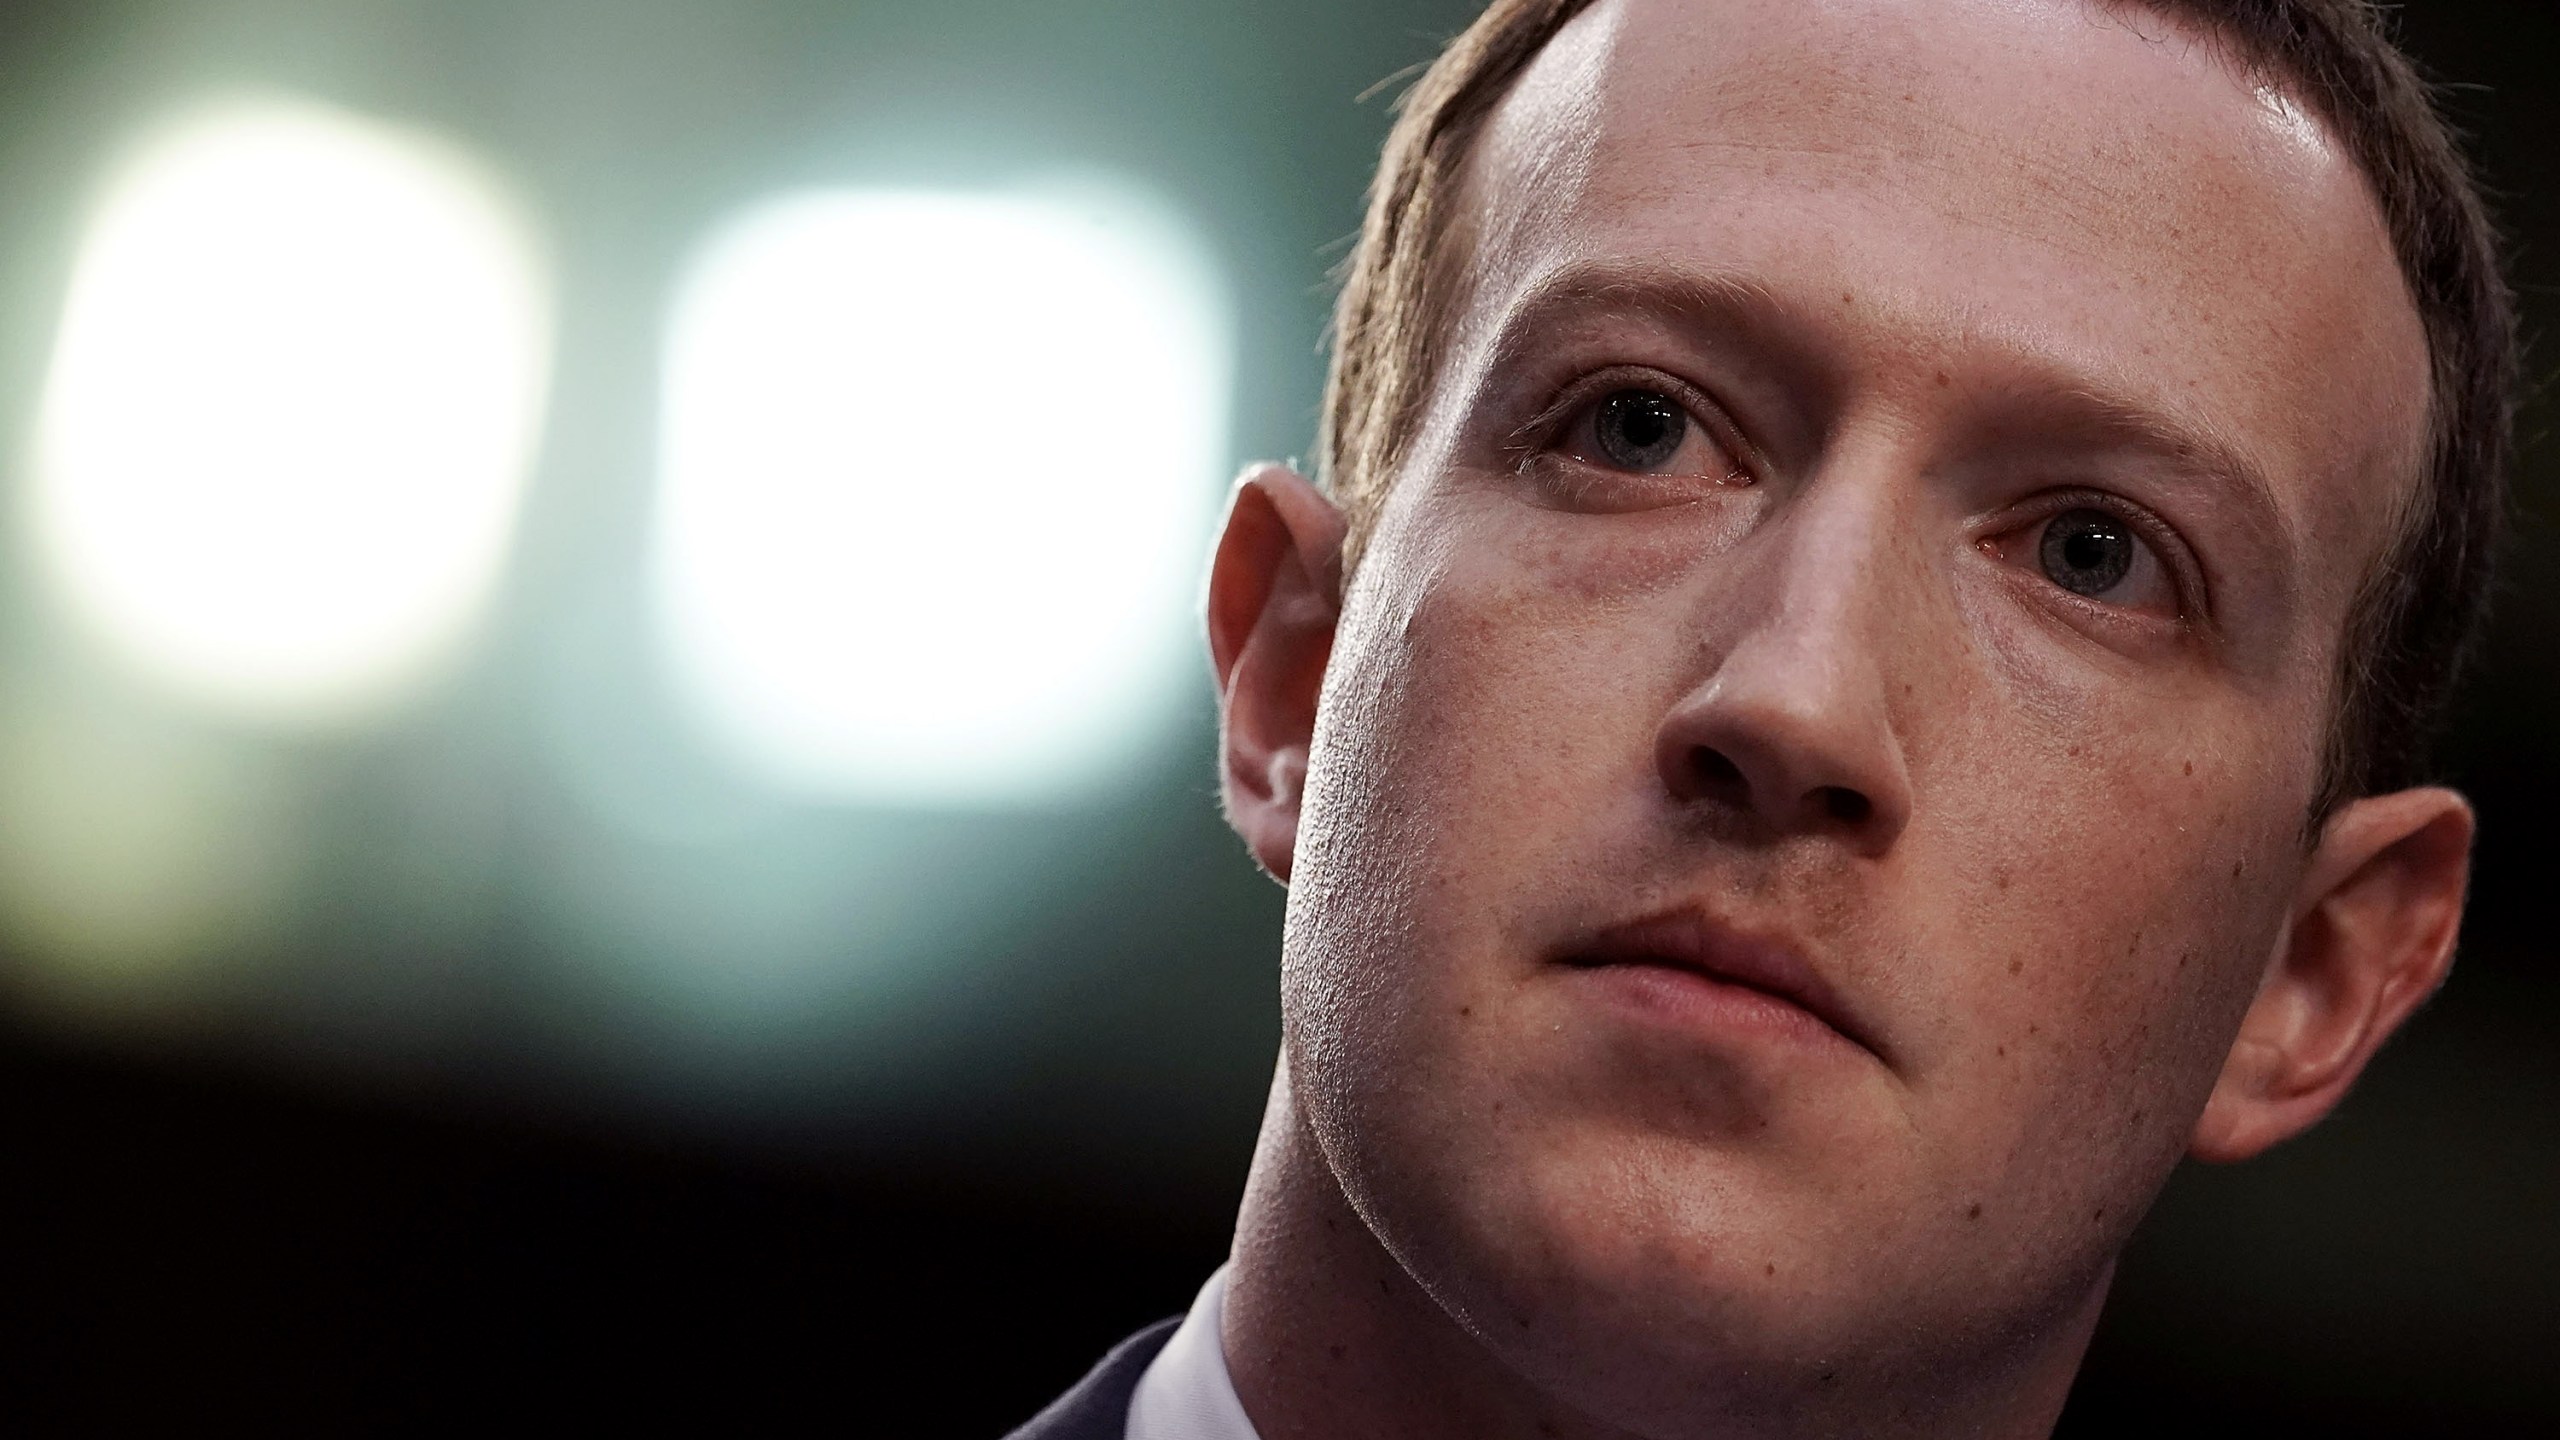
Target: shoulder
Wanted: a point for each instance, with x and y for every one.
(1098, 1407)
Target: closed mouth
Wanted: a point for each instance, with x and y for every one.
(1687, 940)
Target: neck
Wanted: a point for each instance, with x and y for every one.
(1328, 1337)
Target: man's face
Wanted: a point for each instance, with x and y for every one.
(1880, 532)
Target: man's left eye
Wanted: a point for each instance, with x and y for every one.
(2087, 552)
(2102, 556)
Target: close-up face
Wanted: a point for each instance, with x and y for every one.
(1816, 756)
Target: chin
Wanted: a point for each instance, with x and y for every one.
(1658, 1283)
(1637, 1280)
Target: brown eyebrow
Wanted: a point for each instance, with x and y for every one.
(2195, 450)
(1702, 299)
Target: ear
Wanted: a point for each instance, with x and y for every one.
(1275, 592)
(2371, 937)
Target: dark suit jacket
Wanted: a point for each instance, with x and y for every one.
(1098, 1407)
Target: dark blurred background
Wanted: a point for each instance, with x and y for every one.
(506, 989)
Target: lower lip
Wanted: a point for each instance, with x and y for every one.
(1691, 1001)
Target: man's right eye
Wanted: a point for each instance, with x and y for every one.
(1643, 431)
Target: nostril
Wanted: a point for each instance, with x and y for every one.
(1845, 805)
(1715, 770)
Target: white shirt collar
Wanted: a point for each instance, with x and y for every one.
(1186, 1393)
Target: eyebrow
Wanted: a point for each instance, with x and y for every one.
(2195, 449)
(1702, 301)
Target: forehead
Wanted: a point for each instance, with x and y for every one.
(2037, 192)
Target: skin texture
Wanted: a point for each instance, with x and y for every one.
(1924, 275)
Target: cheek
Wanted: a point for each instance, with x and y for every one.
(2097, 870)
(1493, 683)
(2109, 823)
(2115, 890)
(1486, 725)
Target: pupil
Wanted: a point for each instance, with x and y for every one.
(2087, 552)
(1640, 429)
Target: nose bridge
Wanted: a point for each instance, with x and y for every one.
(1825, 579)
(1791, 717)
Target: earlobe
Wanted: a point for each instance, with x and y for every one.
(1275, 593)
(2371, 937)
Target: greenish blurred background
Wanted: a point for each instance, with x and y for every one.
(499, 975)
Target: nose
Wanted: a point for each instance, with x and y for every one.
(1790, 721)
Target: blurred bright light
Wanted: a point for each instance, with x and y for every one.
(298, 383)
(939, 470)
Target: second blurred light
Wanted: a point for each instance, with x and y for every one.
(937, 476)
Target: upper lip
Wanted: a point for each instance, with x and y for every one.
(1688, 939)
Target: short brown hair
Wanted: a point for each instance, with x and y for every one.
(2417, 612)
